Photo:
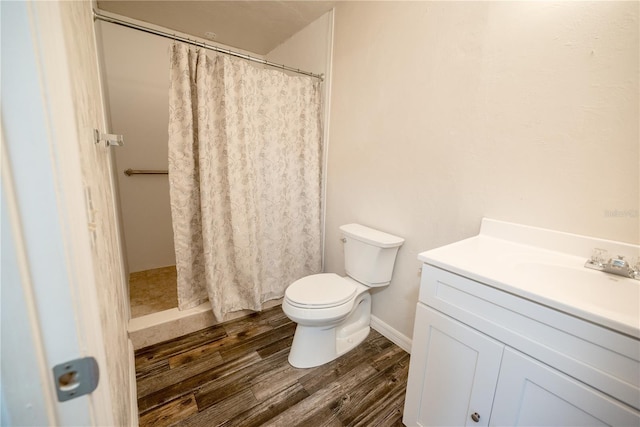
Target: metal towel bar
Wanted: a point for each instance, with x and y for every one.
(130, 172)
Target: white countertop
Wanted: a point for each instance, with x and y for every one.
(547, 267)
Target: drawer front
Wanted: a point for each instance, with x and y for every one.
(597, 356)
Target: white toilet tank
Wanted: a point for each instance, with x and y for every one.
(369, 255)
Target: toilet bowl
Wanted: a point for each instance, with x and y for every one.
(333, 313)
(328, 326)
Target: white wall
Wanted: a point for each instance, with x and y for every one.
(445, 112)
(136, 68)
(309, 49)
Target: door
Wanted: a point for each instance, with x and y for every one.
(453, 372)
(54, 223)
(531, 393)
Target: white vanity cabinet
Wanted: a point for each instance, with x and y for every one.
(453, 374)
(482, 356)
(530, 393)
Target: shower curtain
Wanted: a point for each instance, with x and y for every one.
(245, 152)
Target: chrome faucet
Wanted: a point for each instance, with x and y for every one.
(618, 266)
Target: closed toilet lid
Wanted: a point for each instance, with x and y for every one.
(320, 291)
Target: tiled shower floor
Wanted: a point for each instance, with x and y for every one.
(151, 291)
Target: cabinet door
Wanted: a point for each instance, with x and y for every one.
(530, 393)
(453, 372)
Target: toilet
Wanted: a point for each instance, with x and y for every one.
(333, 312)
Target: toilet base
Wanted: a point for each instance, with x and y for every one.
(312, 346)
(344, 345)
(316, 345)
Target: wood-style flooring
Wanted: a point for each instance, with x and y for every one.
(237, 374)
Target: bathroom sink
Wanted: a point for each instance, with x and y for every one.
(547, 267)
(602, 292)
(574, 279)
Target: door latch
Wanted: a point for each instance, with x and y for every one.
(76, 378)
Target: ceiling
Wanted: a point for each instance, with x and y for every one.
(256, 26)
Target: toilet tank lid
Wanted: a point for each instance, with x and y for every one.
(371, 236)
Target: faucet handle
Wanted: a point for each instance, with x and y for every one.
(636, 269)
(599, 256)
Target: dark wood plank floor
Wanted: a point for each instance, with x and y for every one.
(237, 374)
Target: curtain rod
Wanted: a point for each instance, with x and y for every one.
(98, 16)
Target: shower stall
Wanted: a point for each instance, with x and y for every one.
(136, 84)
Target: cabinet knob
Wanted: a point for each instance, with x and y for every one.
(475, 417)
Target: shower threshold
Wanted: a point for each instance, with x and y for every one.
(169, 324)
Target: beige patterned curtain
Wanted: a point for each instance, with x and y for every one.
(245, 153)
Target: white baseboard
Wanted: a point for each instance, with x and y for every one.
(391, 334)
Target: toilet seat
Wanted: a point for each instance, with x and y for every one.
(324, 290)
